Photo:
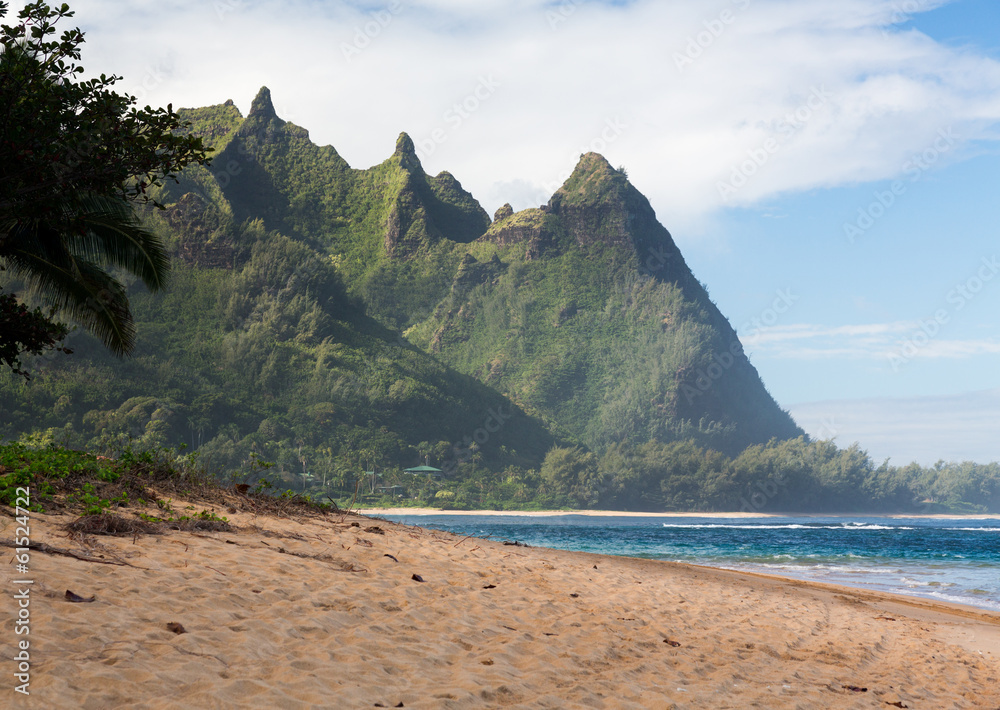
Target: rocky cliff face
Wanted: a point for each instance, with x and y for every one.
(533, 228)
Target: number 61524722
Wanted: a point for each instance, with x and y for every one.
(23, 498)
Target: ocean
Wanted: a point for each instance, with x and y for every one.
(945, 559)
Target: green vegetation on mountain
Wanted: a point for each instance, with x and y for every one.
(338, 321)
(392, 230)
(585, 312)
(270, 359)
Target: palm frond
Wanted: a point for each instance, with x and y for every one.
(90, 296)
(85, 290)
(111, 233)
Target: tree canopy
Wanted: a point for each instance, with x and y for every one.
(75, 157)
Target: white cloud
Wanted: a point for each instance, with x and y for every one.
(905, 340)
(564, 70)
(923, 429)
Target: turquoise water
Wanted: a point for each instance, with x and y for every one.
(949, 560)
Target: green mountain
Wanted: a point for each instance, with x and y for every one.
(584, 312)
(392, 229)
(330, 319)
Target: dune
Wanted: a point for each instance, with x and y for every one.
(343, 611)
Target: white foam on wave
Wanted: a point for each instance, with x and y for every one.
(790, 526)
(974, 529)
(811, 567)
(706, 526)
(967, 600)
(847, 569)
(925, 583)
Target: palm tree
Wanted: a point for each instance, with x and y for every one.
(66, 252)
(58, 233)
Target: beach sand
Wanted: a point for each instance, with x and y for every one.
(326, 613)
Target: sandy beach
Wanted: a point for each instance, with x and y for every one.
(351, 612)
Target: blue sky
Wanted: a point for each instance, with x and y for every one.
(837, 158)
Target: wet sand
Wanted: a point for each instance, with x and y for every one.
(327, 613)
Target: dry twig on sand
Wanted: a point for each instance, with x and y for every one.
(49, 549)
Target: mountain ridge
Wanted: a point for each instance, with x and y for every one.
(580, 317)
(415, 249)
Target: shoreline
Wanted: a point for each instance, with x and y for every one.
(293, 611)
(862, 582)
(924, 604)
(930, 609)
(627, 514)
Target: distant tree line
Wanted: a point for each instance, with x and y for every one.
(795, 475)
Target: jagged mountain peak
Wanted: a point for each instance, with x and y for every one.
(262, 107)
(558, 306)
(593, 180)
(503, 213)
(406, 154)
(263, 121)
(404, 145)
(593, 163)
